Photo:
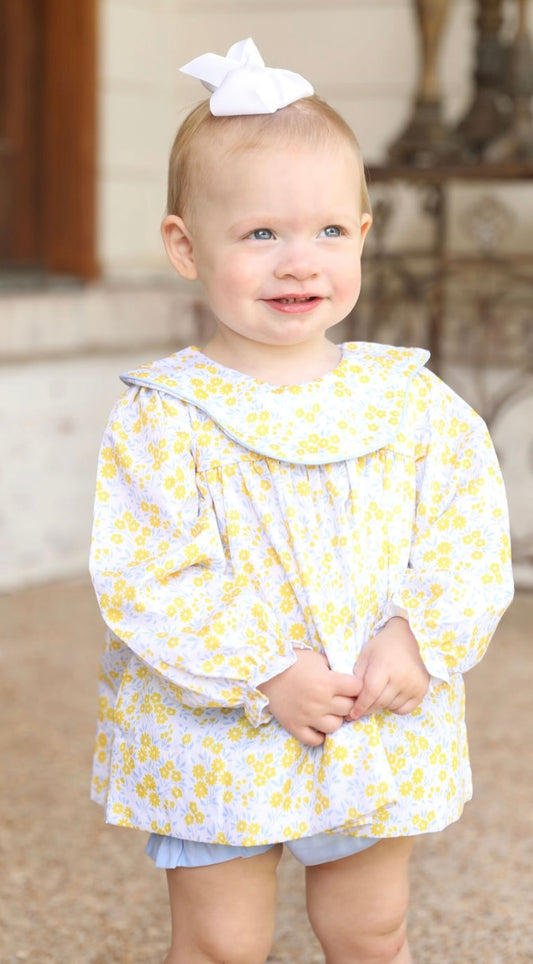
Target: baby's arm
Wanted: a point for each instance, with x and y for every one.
(391, 671)
(309, 699)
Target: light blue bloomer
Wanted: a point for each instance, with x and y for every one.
(171, 852)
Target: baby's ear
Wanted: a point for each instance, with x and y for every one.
(178, 246)
(366, 223)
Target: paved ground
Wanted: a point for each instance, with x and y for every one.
(73, 891)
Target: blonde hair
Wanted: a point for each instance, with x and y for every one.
(310, 120)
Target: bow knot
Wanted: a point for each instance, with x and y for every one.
(241, 84)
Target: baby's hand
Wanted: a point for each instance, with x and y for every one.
(309, 699)
(392, 672)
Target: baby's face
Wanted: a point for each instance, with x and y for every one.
(276, 239)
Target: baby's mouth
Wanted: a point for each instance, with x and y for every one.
(294, 304)
(295, 301)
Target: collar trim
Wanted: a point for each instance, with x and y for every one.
(307, 423)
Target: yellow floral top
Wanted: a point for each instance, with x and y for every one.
(236, 520)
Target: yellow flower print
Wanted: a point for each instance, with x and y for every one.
(194, 815)
(397, 760)
(438, 756)
(321, 802)
(108, 467)
(340, 753)
(287, 604)
(297, 632)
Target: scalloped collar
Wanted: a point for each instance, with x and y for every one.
(354, 409)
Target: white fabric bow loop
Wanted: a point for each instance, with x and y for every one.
(241, 84)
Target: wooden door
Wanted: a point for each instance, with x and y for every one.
(48, 135)
(20, 136)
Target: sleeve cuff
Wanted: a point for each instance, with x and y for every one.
(395, 610)
(433, 661)
(255, 702)
(256, 709)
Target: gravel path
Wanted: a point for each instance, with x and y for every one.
(73, 891)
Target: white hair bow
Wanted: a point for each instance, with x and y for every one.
(241, 83)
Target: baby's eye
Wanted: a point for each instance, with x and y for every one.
(262, 234)
(332, 231)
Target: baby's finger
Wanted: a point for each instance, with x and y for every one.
(409, 698)
(371, 696)
(406, 706)
(331, 723)
(345, 684)
(341, 705)
(309, 736)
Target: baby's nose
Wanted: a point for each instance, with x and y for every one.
(299, 262)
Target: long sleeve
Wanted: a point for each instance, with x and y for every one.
(459, 580)
(164, 583)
